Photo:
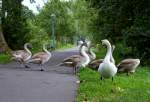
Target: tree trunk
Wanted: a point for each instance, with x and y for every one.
(3, 45)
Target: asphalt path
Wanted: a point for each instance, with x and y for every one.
(55, 84)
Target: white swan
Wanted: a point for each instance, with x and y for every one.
(79, 43)
(77, 61)
(41, 57)
(95, 63)
(91, 54)
(107, 69)
(22, 56)
(89, 51)
(111, 57)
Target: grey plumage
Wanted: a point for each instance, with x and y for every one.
(22, 56)
(41, 57)
(128, 65)
(77, 61)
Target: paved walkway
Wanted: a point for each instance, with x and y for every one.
(56, 84)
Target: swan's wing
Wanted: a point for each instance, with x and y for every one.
(70, 61)
(18, 52)
(39, 54)
(126, 65)
(129, 60)
(25, 55)
(35, 60)
(97, 61)
(42, 57)
(72, 58)
(95, 64)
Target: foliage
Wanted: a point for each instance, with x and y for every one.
(138, 38)
(133, 88)
(72, 18)
(4, 58)
(83, 18)
(37, 36)
(61, 20)
(125, 22)
(14, 23)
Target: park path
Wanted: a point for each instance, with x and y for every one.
(56, 84)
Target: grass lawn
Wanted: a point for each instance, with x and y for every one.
(133, 88)
(4, 58)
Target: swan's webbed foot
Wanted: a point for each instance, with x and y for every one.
(75, 70)
(42, 70)
(27, 66)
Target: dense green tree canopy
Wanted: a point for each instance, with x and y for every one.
(14, 23)
(125, 21)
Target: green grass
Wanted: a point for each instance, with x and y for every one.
(4, 58)
(133, 88)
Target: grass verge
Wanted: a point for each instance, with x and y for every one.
(4, 58)
(133, 88)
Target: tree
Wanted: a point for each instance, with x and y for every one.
(3, 45)
(72, 18)
(83, 17)
(125, 22)
(13, 24)
(58, 8)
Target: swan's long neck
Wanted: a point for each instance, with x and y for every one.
(26, 48)
(108, 54)
(44, 48)
(111, 56)
(84, 54)
(80, 49)
(92, 54)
